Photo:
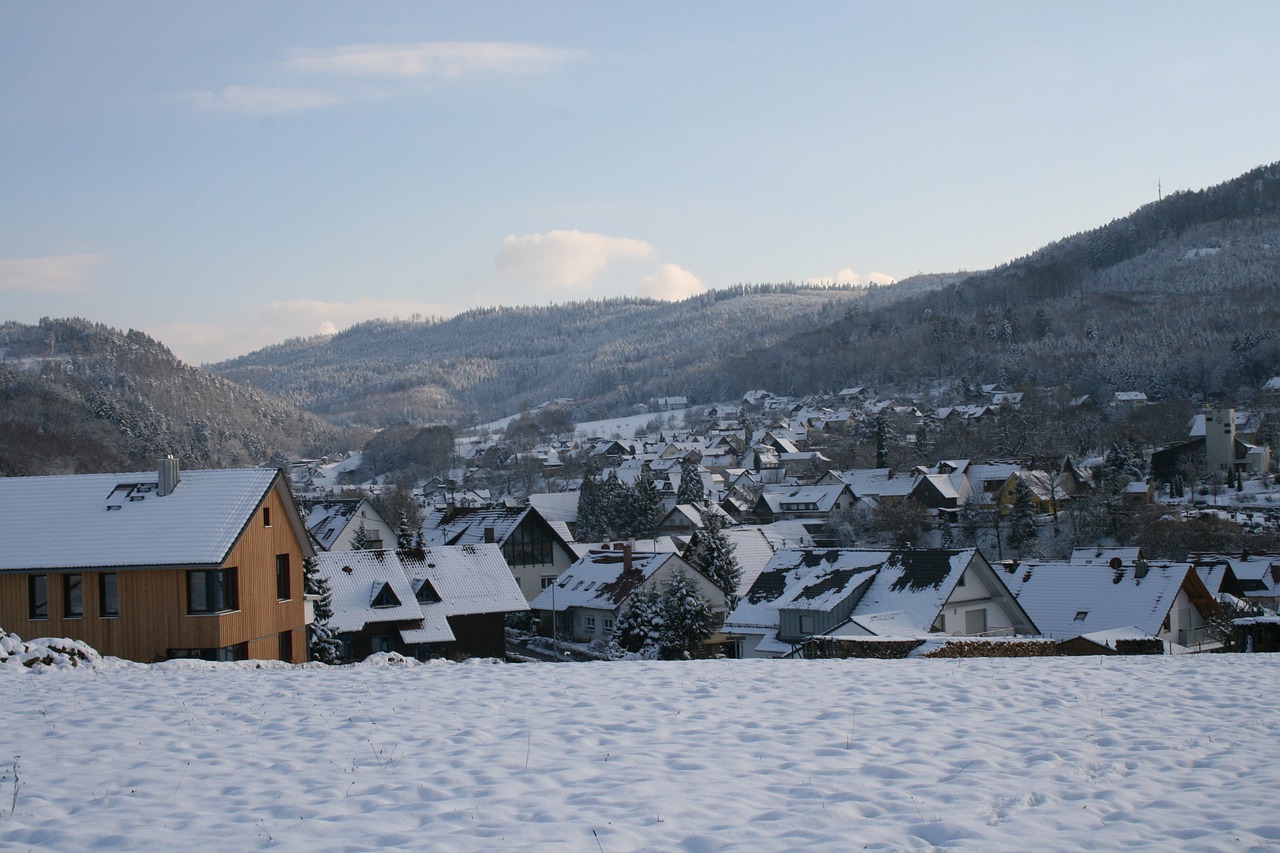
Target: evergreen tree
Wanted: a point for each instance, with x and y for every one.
(615, 506)
(322, 641)
(1022, 517)
(690, 491)
(712, 554)
(592, 524)
(687, 619)
(646, 506)
(362, 541)
(883, 434)
(639, 626)
(747, 428)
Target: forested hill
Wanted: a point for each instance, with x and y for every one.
(79, 397)
(1180, 298)
(490, 362)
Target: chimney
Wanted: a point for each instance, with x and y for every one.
(626, 558)
(167, 469)
(488, 536)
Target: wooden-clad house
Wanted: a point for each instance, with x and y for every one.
(154, 565)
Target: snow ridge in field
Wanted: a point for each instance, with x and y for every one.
(1016, 755)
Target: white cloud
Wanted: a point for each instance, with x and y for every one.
(200, 343)
(672, 283)
(263, 100)
(561, 260)
(50, 274)
(431, 60)
(848, 276)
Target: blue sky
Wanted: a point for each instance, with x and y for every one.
(227, 175)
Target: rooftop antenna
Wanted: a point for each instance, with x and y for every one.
(1159, 191)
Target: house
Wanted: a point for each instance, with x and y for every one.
(780, 503)
(1166, 602)
(1128, 400)
(584, 603)
(443, 600)
(849, 592)
(1257, 576)
(157, 564)
(535, 550)
(684, 519)
(335, 525)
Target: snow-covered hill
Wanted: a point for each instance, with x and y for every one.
(991, 755)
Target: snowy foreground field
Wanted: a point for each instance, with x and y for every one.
(987, 755)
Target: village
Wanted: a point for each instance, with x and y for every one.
(716, 531)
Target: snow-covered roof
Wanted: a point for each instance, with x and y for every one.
(914, 585)
(801, 498)
(356, 578)
(468, 578)
(1100, 556)
(467, 525)
(327, 519)
(1069, 599)
(602, 580)
(85, 521)
(803, 578)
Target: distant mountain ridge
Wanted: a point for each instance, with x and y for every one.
(78, 397)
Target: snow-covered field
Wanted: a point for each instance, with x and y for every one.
(983, 755)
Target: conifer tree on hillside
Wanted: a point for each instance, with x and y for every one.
(322, 640)
(712, 554)
(690, 490)
(615, 504)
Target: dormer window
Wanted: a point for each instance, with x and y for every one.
(426, 593)
(1081, 615)
(385, 597)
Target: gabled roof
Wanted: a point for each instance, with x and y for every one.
(328, 518)
(467, 525)
(804, 578)
(797, 498)
(469, 579)
(602, 580)
(356, 577)
(915, 584)
(88, 521)
(1070, 599)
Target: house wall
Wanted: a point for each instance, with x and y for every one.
(790, 629)
(153, 603)
(374, 527)
(1186, 626)
(974, 595)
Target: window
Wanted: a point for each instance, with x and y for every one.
(426, 593)
(266, 516)
(73, 596)
(282, 577)
(961, 581)
(211, 591)
(589, 622)
(608, 627)
(240, 651)
(380, 643)
(548, 581)
(528, 545)
(286, 646)
(108, 594)
(806, 623)
(1081, 615)
(38, 596)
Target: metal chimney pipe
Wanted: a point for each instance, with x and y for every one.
(168, 475)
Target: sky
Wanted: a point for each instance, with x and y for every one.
(224, 176)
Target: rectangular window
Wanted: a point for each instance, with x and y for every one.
(211, 591)
(806, 623)
(38, 596)
(286, 646)
(590, 623)
(73, 596)
(380, 643)
(608, 627)
(266, 516)
(108, 594)
(548, 581)
(282, 577)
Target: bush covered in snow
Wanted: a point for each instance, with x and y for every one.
(45, 652)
